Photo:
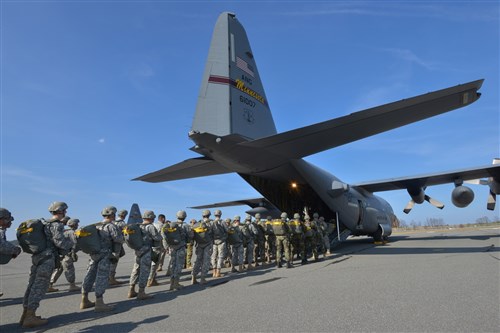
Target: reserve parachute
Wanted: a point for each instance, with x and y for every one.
(201, 233)
(172, 234)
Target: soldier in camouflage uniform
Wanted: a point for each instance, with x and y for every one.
(67, 263)
(297, 245)
(259, 241)
(120, 224)
(236, 240)
(203, 237)
(162, 221)
(99, 263)
(326, 228)
(320, 231)
(189, 247)
(270, 244)
(176, 236)
(219, 230)
(310, 235)
(282, 233)
(157, 256)
(151, 241)
(250, 233)
(7, 249)
(43, 265)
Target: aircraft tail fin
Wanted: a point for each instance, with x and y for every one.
(231, 98)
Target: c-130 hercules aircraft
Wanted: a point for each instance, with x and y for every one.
(234, 131)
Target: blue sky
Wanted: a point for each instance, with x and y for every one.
(95, 93)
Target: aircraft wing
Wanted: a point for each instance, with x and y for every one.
(315, 138)
(191, 168)
(258, 205)
(430, 179)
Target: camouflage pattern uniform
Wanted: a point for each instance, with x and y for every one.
(270, 244)
(250, 235)
(320, 229)
(203, 249)
(67, 263)
(282, 233)
(189, 247)
(177, 250)
(311, 237)
(151, 239)
(297, 245)
(219, 231)
(259, 241)
(43, 265)
(120, 224)
(158, 253)
(237, 247)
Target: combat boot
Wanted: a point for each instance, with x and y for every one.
(160, 268)
(240, 269)
(172, 284)
(177, 286)
(23, 316)
(131, 292)
(152, 283)
(250, 267)
(233, 269)
(141, 296)
(304, 261)
(289, 264)
(31, 320)
(51, 288)
(193, 280)
(85, 303)
(202, 280)
(100, 306)
(114, 282)
(73, 287)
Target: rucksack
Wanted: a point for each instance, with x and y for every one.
(133, 236)
(296, 227)
(31, 236)
(88, 239)
(279, 227)
(5, 258)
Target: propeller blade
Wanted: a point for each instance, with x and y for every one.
(492, 200)
(434, 202)
(477, 181)
(409, 206)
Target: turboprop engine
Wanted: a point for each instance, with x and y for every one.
(462, 196)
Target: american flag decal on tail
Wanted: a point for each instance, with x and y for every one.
(244, 66)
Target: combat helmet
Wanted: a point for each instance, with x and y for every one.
(181, 215)
(257, 216)
(284, 215)
(108, 211)
(205, 213)
(5, 214)
(296, 216)
(148, 214)
(73, 223)
(57, 206)
(218, 213)
(122, 212)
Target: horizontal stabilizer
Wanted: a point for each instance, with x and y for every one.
(421, 181)
(191, 168)
(315, 138)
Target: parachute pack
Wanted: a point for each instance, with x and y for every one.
(296, 227)
(279, 227)
(173, 234)
(233, 236)
(133, 236)
(31, 236)
(201, 235)
(88, 239)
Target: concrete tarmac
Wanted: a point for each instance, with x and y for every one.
(445, 281)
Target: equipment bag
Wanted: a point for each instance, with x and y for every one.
(88, 239)
(173, 234)
(31, 236)
(5, 258)
(133, 236)
(201, 234)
